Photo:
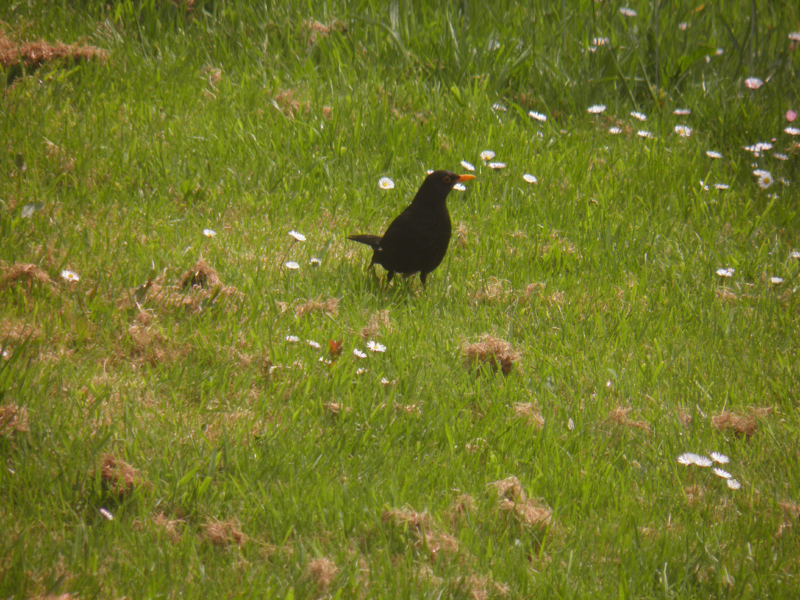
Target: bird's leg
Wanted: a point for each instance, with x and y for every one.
(422, 278)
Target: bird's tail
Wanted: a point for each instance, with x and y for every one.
(373, 241)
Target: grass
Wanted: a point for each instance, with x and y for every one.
(519, 435)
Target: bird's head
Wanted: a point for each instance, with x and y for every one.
(437, 185)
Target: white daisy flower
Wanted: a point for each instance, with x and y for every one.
(375, 347)
(70, 276)
(795, 254)
(722, 186)
(292, 265)
(571, 424)
(761, 173)
(776, 280)
(726, 272)
(429, 171)
(359, 353)
(684, 26)
(682, 112)
(640, 116)
(315, 262)
(645, 134)
(784, 181)
(537, 116)
(794, 36)
(292, 339)
(780, 156)
(385, 183)
(487, 155)
(497, 165)
(765, 181)
(683, 130)
(713, 154)
(601, 41)
(702, 461)
(792, 130)
(313, 344)
(687, 458)
(361, 371)
(467, 166)
(498, 106)
(385, 382)
(298, 236)
(733, 484)
(529, 178)
(721, 473)
(106, 513)
(596, 109)
(460, 187)
(614, 130)
(719, 458)
(209, 233)
(627, 12)
(753, 83)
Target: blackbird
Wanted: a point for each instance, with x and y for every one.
(417, 239)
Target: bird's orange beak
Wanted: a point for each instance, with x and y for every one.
(463, 178)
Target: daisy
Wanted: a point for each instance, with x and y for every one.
(615, 130)
(683, 26)
(733, 484)
(385, 183)
(713, 154)
(761, 173)
(537, 116)
(297, 236)
(601, 41)
(313, 344)
(361, 371)
(315, 262)
(640, 116)
(627, 12)
(529, 178)
(500, 107)
(596, 109)
(722, 186)
(467, 166)
(720, 51)
(359, 353)
(571, 424)
(726, 272)
(784, 181)
(795, 254)
(209, 233)
(645, 134)
(722, 473)
(681, 112)
(70, 276)
(702, 461)
(687, 458)
(386, 382)
(497, 165)
(683, 130)
(795, 36)
(292, 339)
(292, 265)
(776, 280)
(106, 513)
(792, 130)
(780, 156)
(487, 155)
(719, 458)
(375, 347)
(429, 171)
(753, 83)
(460, 187)
(765, 181)
(703, 185)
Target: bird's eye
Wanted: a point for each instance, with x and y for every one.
(446, 179)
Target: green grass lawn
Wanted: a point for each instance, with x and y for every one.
(184, 415)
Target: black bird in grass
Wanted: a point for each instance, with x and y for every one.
(417, 239)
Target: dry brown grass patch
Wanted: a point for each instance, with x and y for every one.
(494, 291)
(224, 533)
(556, 242)
(336, 409)
(13, 420)
(317, 31)
(726, 295)
(170, 526)
(685, 417)
(23, 274)
(326, 307)
(492, 351)
(461, 235)
(529, 512)
(57, 154)
(509, 488)
(694, 494)
(619, 416)
(481, 587)
(201, 275)
(530, 412)
(15, 331)
(436, 542)
(35, 54)
(462, 506)
(322, 571)
(741, 423)
(376, 321)
(51, 597)
(406, 517)
(119, 477)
